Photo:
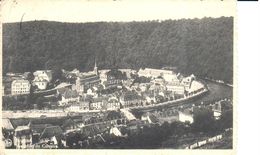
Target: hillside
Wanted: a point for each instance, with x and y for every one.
(200, 46)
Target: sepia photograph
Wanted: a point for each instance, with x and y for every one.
(117, 75)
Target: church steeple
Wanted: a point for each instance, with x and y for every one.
(95, 68)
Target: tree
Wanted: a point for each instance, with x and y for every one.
(203, 120)
(40, 102)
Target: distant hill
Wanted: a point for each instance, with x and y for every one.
(200, 46)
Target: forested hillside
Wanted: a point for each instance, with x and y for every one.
(200, 46)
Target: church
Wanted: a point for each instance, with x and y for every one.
(87, 80)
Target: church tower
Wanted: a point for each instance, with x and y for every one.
(95, 68)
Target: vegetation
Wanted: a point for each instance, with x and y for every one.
(200, 46)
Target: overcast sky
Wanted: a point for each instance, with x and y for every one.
(109, 10)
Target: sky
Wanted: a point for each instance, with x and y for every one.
(113, 10)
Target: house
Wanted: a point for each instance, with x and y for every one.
(98, 103)
(51, 135)
(143, 86)
(40, 83)
(23, 137)
(115, 131)
(7, 125)
(93, 91)
(171, 78)
(195, 87)
(43, 75)
(186, 116)
(220, 107)
(159, 80)
(131, 98)
(113, 103)
(150, 118)
(37, 130)
(91, 130)
(19, 87)
(67, 96)
(114, 79)
(86, 81)
(186, 82)
(78, 107)
(103, 75)
(69, 125)
(176, 89)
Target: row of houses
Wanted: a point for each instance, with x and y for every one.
(55, 132)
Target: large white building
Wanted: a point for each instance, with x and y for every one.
(149, 72)
(20, 87)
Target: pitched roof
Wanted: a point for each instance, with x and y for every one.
(68, 93)
(129, 95)
(51, 131)
(38, 128)
(19, 122)
(62, 85)
(22, 130)
(68, 123)
(153, 118)
(90, 130)
(100, 99)
(6, 123)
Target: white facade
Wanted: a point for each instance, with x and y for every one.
(20, 87)
(65, 101)
(183, 117)
(170, 77)
(195, 85)
(178, 89)
(43, 75)
(149, 72)
(41, 84)
(115, 131)
(23, 137)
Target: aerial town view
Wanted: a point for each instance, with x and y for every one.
(118, 85)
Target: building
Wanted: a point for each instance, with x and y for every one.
(99, 103)
(195, 87)
(113, 104)
(68, 96)
(131, 98)
(187, 81)
(149, 72)
(20, 87)
(176, 89)
(40, 83)
(150, 118)
(221, 107)
(51, 135)
(103, 74)
(43, 75)
(186, 116)
(115, 131)
(172, 78)
(84, 81)
(23, 137)
(114, 79)
(69, 125)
